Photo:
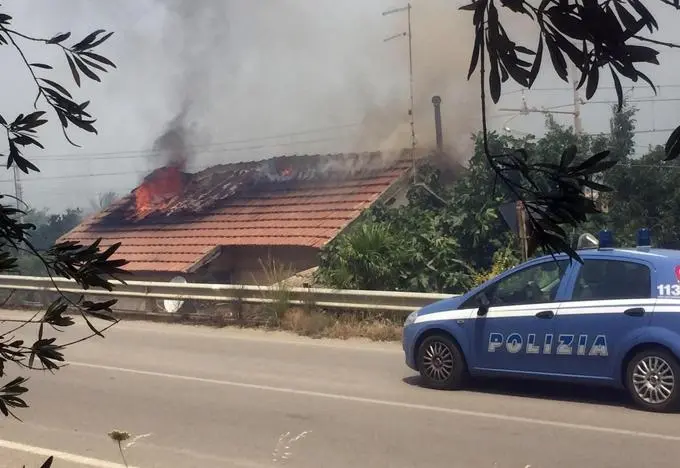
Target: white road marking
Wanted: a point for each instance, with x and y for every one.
(394, 404)
(63, 456)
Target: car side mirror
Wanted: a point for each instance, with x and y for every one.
(483, 305)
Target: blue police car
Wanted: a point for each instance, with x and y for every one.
(612, 320)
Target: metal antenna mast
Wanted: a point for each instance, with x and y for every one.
(408, 34)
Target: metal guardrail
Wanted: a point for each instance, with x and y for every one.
(321, 297)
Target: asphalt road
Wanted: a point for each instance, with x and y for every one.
(214, 398)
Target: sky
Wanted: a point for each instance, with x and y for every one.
(268, 77)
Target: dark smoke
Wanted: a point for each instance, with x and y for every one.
(172, 147)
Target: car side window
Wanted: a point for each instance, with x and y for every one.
(532, 285)
(612, 279)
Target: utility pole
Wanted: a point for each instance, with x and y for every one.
(578, 130)
(578, 126)
(576, 113)
(18, 191)
(408, 34)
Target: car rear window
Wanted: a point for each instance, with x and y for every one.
(612, 279)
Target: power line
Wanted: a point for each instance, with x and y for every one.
(79, 176)
(146, 171)
(140, 172)
(123, 191)
(517, 91)
(663, 130)
(144, 153)
(114, 156)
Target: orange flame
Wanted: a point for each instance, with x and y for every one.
(156, 191)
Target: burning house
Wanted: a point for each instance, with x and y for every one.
(219, 224)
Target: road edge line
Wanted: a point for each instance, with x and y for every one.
(59, 455)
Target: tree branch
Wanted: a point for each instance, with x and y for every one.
(28, 65)
(9, 33)
(92, 335)
(30, 38)
(654, 41)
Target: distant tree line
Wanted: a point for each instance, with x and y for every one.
(49, 227)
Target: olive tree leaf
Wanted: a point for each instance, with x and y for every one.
(98, 58)
(87, 40)
(673, 145)
(84, 68)
(41, 65)
(74, 71)
(568, 156)
(59, 38)
(619, 89)
(15, 157)
(593, 81)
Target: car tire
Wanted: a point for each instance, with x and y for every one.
(653, 380)
(441, 364)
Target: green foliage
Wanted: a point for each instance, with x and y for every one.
(502, 260)
(428, 245)
(424, 245)
(396, 249)
(367, 257)
(646, 194)
(595, 37)
(48, 228)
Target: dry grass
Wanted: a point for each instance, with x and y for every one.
(317, 324)
(275, 275)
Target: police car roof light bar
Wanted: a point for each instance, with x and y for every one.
(606, 239)
(644, 239)
(586, 241)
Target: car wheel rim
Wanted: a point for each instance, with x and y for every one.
(438, 361)
(653, 380)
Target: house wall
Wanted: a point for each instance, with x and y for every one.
(259, 264)
(234, 265)
(144, 305)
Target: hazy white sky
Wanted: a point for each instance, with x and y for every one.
(270, 77)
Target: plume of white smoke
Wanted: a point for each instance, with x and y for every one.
(442, 39)
(255, 69)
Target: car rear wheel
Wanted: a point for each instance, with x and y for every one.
(440, 363)
(652, 378)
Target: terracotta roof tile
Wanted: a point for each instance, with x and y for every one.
(287, 201)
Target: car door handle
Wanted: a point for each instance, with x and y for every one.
(635, 312)
(545, 314)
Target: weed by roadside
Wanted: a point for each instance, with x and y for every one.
(320, 324)
(305, 320)
(275, 276)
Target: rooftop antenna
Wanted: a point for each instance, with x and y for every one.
(408, 34)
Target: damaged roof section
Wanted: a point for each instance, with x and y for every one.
(285, 201)
(192, 193)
